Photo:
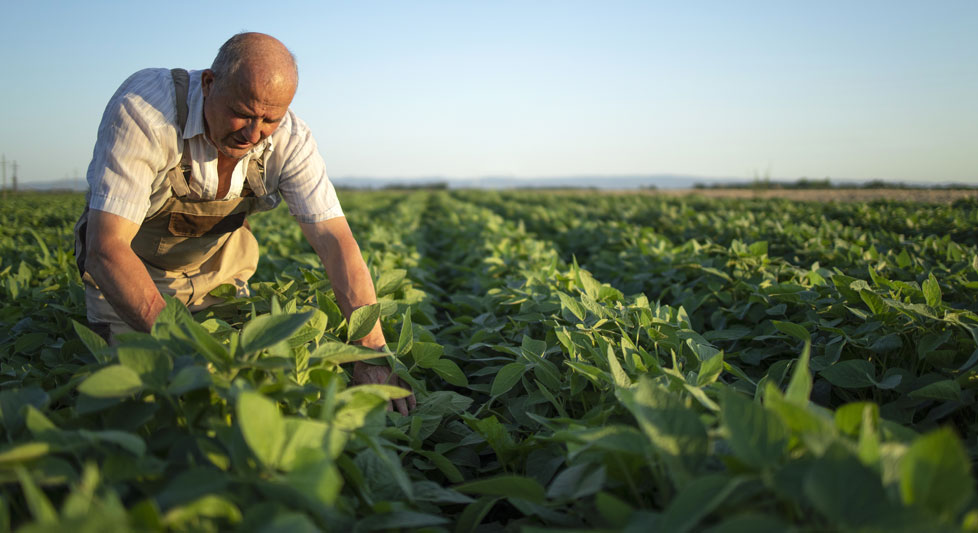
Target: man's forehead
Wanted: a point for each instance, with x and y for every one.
(257, 94)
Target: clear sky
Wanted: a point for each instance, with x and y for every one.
(841, 89)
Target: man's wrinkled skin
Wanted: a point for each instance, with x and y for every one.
(366, 373)
(240, 112)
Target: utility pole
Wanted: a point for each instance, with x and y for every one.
(3, 165)
(15, 176)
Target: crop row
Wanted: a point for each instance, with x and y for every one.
(578, 362)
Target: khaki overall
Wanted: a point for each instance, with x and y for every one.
(189, 247)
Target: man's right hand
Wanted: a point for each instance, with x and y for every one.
(119, 273)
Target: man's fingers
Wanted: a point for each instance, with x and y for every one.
(401, 406)
(412, 402)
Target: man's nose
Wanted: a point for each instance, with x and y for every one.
(253, 131)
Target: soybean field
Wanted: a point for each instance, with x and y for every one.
(582, 362)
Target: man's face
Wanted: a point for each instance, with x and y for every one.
(239, 113)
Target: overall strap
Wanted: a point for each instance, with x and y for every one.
(179, 178)
(255, 176)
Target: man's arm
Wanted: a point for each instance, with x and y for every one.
(334, 244)
(119, 273)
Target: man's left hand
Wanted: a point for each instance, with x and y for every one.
(364, 373)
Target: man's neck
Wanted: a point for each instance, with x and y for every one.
(225, 167)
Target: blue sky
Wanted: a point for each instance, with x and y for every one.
(844, 89)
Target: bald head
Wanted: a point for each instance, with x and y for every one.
(247, 92)
(255, 57)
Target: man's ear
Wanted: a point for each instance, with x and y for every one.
(207, 81)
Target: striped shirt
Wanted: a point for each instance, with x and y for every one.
(137, 145)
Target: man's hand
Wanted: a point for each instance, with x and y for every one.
(334, 244)
(364, 373)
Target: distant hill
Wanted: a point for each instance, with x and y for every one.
(67, 184)
(662, 181)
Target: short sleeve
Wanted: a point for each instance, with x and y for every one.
(303, 182)
(133, 145)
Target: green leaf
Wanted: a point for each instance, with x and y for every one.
(948, 390)
(496, 435)
(935, 474)
(389, 281)
(756, 435)
(474, 513)
(311, 330)
(444, 464)
(125, 440)
(613, 510)
(507, 377)
(932, 291)
(327, 305)
(290, 522)
(674, 429)
(267, 330)
(387, 392)
(849, 418)
(188, 379)
(577, 482)
(41, 508)
(93, 341)
(362, 322)
(450, 372)
(843, 284)
(710, 370)
(201, 339)
(13, 401)
(209, 506)
(152, 365)
(749, 522)
(800, 387)
(262, 426)
(429, 491)
(426, 353)
(695, 501)
(887, 343)
(313, 473)
(339, 353)
(114, 381)
(399, 520)
(846, 493)
(303, 434)
(531, 348)
(619, 376)
(169, 318)
(903, 259)
(507, 486)
(406, 339)
(873, 302)
(757, 249)
(572, 305)
(23, 453)
(851, 374)
(358, 406)
(795, 330)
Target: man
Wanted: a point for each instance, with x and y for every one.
(180, 160)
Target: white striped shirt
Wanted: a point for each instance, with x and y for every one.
(137, 145)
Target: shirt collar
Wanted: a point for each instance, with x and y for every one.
(195, 115)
